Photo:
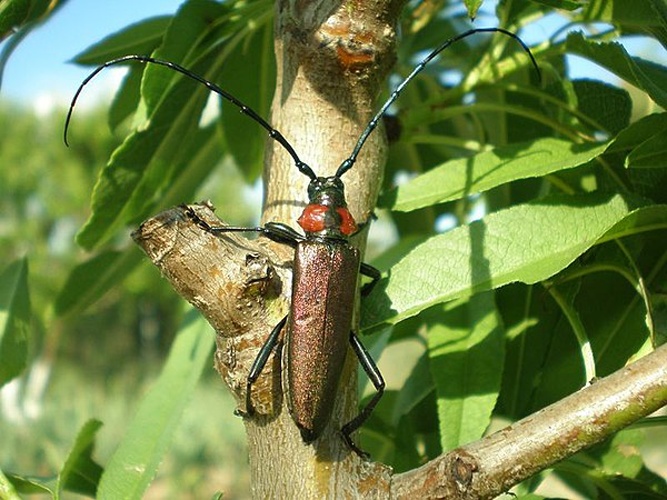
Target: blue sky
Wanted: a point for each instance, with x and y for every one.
(39, 67)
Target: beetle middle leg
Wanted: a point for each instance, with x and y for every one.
(375, 377)
(373, 274)
(259, 364)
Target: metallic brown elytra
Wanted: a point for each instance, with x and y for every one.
(323, 296)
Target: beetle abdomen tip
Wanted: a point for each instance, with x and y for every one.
(308, 435)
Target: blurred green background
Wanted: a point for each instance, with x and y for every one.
(99, 363)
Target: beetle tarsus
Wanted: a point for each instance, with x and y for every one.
(350, 443)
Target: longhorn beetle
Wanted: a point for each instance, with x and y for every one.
(326, 266)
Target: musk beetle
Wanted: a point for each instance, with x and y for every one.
(325, 272)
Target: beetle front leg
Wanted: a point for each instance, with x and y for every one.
(375, 377)
(276, 231)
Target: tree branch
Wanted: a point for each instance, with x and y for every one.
(492, 465)
(238, 286)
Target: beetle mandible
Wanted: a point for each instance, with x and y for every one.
(325, 265)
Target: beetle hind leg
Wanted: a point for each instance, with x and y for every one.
(375, 377)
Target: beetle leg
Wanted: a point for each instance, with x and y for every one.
(375, 377)
(278, 232)
(258, 366)
(373, 274)
(282, 233)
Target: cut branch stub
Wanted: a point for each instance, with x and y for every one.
(234, 282)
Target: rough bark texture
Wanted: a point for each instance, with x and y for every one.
(331, 58)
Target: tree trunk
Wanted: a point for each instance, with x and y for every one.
(331, 58)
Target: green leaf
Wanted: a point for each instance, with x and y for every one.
(136, 460)
(526, 243)
(244, 137)
(473, 6)
(561, 4)
(127, 98)
(652, 153)
(638, 132)
(189, 26)
(646, 182)
(197, 160)
(645, 75)
(608, 105)
(15, 13)
(648, 218)
(465, 176)
(80, 473)
(649, 16)
(31, 485)
(466, 350)
(90, 280)
(7, 490)
(139, 38)
(14, 320)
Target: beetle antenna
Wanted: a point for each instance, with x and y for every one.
(273, 133)
(349, 162)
